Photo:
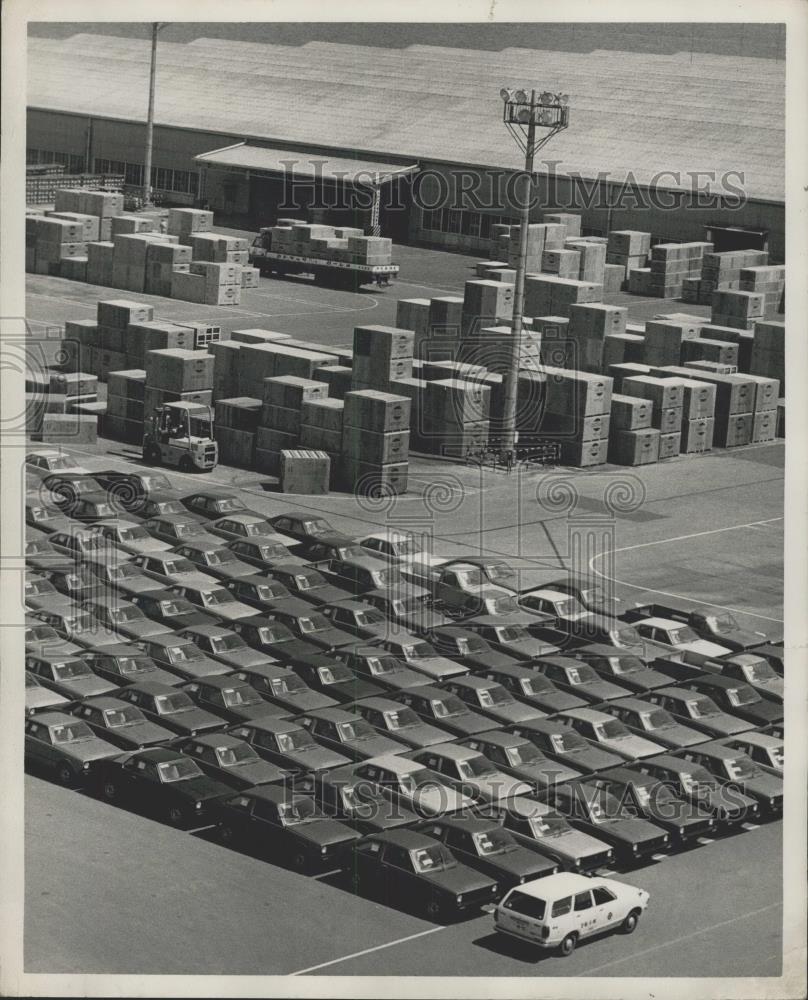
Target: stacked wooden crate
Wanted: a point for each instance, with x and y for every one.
(485, 303)
(548, 295)
(177, 375)
(162, 260)
(577, 413)
(105, 205)
(381, 354)
(129, 258)
(259, 361)
(592, 261)
(737, 309)
(185, 222)
(734, 403)
(770, 282)
(768, 351)
(589, 326)
(235, 426)
(283, 398)
(123, 420)
(321, 424)
(667, 400)
(671, 264)
(51, 241)
(722, 271)
(305, 471)
(455, 415)
(375, 442)
(628, 249)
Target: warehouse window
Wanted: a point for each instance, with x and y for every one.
(133, 174)
(162, 178)
(109, 166)
(73, 163)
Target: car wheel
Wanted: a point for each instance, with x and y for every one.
(65, 774)
(176, 815)
(152, 455)
(110, 790)
(300, 861)
(186, 465)
(434, 909)
(629, 925)
(567, 946)
(225, 833)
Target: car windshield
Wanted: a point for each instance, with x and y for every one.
(513, 633)
(133, 534)
(314, 623)
(76, 732)
(418, 650)
(657, 719)
(535, 685)
(124, 572)
(612, 730)
(742, 767)
(370, 617)
(226, 643)
(180, 769)
(126, 614)
(287, 685)
(503, 605)
(268, 591)
(380, 665)
(500, 572)
(259, 528)
(470, 578)
(166, 507)
(580, 675)
(407, 547)
(496, 841)
(702, 707)
(187, 529)
(242, 753)
(564, 742)
(604, 807)
(359, 730)
(274, 550)
(91, 541)
(679, 636)
(336, 674)
(218, 557)
(475, 767)
(628, 637)
(467, 646)
(36, 587)
(626, 664)
(229, 505)
(725, 624)
(70, 669)
(697, 778)
(528, 906)
(447, 707)
(432, 859)
(117, 717)
(568, 606)
(270, 635)
(181, 654)
(743, 696)
(177, 606)
(400, 719)
(525, 753)
(170, 704)
(318, 525)
(60, 463)
(494, 696)
(777, 755)
(299, 810)
(759, 672)
(386, 577)
(298, 739)
(36, 632)
(128, 665)
(212, 598)
(245, 695)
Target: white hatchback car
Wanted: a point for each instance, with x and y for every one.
(560, 910)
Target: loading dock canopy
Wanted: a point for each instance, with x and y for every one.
(304, 164)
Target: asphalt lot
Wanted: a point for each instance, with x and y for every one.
(697, 529)
(112, 891)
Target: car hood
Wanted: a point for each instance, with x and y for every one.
(196, 719)
(604, 690)
(529, 646)
(459, 880)
(144, 733)
(722, 797)
(403, 680)
(325, 832)
(422, 735)
(704, 647)
(513, 712)
(317, 759)
(425, 618)
(254, 772)
(558, 700)
(726, 724)
(764, 712)
(328, 594)
(645, 680)
(354, 690)
(742, 639)
(145, 546)
(262, 711)
(375, 746)
(592, 759)
(575, 844)
(635, 831)
(246, 657)
(232, 611)
(193, 669)
(633, 746)
(42, 697)
(678, 735)
(468, 723)
(230, 570)
(84, 687)
(548, 773)
(201, 789)
(683, 812)
(498, 786)
(438, 667)
(305, 701)
(142, 629)
(94, 749)
(772, 689)
(158, 674)
(434, 801)
(521, 863)
(767, 785)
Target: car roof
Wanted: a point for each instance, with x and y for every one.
(245, 516)
(521, 805)
(451, 751)
(216, 740)
(470, 824)
(55, 718)
(454, 630)
(303, 515)
(475, 683)
(391, 762)
(409, 840)
(168, 638)
(221, 681)
(209, 630)
(601, 649)
(633, 704)
(676, 692)
(294, 569)
(55, 657)
(390, 535)
(586, 715)
(267, 670)
(496, 737)
(270, 793)
(765, 740)
(269, 724)
(351, 605)
(548, 592)
(716, 681)
(380, 704)
(157, 755)
(626, 775)
(201, 546)
(556, 886)
(549, 726)
(714, 748)
(152, 687)
(105, 701)
(661, 623)
(428, 691)
(118, 649)
(332, 715)
(668, 761)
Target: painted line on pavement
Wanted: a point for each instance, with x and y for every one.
(366, 951)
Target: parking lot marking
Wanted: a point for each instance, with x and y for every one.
(678, 940)
(366, 951)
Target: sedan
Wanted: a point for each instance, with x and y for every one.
(162, 781)
(302, 526)
(78, 626)
(602, 730)
(752, 670)
(288, 745)
(63, 744)
(517, 756)
(468, 648)
(211, 506)
(361, 621)
(407, 608)
(423, 657)
(655, 800)
(68, 676)
(675, 635)
(625, 668)
(214, 600)
(491, 699)
(87, 545)
(40, 593)
(231, 698)
(562, 744)
(406, 782)
(39, 698)
(489, 848)
(765, 749)
(390, 718)
(437, 706)
(131, 536)
(262, 593)
(232, 761)
(539, 827)
(124, 617)
(121, 724)
(214, 559)
(722, 800)
(170, 708)
(347, 733)
(181, 657)
(307, 584)
(510, 638)
(274, 639)
(130, 490)
(533, 688)
(470, 772)
(128, 578)
(578, 678)
(343, 795)
(736, 767)
(125, 664)
(737, 698)
(245, 524)
(44, 516)
(406, 866)
(264, 555)
(42, 556)
(279, 820)
(162, 504)
(697, 711)
(282, 687)
(45, 461)
(176, 529)
(221, 644)
(647, 720)
(169, 611)
(313, 627)
(383, 668)
(91, 509)
(170, 569)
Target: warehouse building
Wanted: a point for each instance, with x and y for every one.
(684, 144)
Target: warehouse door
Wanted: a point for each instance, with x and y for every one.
(726, 238)
(266, 194)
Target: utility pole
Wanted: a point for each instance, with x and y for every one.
(147, 159)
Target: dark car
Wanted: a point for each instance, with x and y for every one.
(774, 656)
(312, 627)
(278, 820)
(67, 675)
(511, 638)
(468, 648)
(67, 488)
(384, 669)
(231, 698)
(265, 554)
(39, 698)
(221, 644)
(288, 745)
(407, 867)
(361, 572)
(655, 800)
(273, 639)
(516, 755)
(244, 524)
(177, 529)
(170, 707)
(408, 608)
(603, 730)
(722, 800)
(348, 733)
(325, 547)
(91, 508)
(125, 617)
(724, 629)
(564, 745)
(76, 625)
(131, 536)
(589, 805)
(127, 578)
(358, 618)
(697, 710)
(495, 570)
(42, 638)
(578, 678)
(121, 724)
(181, 657)
(732, 765)
(533, 688)
(42, 556)
(422, 656)
(390, 717)
(63, 744)
(211, 505)
(214, 558)
(331, 677)
(214, 600)
(126, 664)
(302, 526)
(130, 490)
(162, 781)
(489, 848)
(230, 760)
(626, 668)
(539, 827)
(437, 706)
(40, 593)
(171, 611)
(78, 584)
(262, 593)
(345, 796)
(588, 592)
(766, 749)
(307, 584)
(751, 669)
(281, 686)
(657, 724)
(491, 699)
(169, 568)
(470, 773)
(45, 515)
(738, 698)
(162, 504)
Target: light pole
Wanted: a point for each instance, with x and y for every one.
(523, 113)
(147, 159)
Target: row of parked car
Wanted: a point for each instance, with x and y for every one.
(366, 704)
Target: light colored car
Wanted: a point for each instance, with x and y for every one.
(401, 547)
(677, 636)
(130, 535)
(470, 772)
(559, 910)
(215, 599)
(762, 748)
(413, 784)
(38, 697)
(245, 525)
(605, 731)
(423, 656)
(46, 461)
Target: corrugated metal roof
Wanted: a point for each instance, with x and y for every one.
(303, 164)
(632, 114)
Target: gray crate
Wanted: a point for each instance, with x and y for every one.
(639, 446)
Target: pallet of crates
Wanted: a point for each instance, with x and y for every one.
(55, 241)
(667, 402)
(548, 295)
(738, 309)
(484, 304)
(376, 428)
(627, 249)
(281, 417)
(123, 420)
(768, 351)
(589, 325)
(321, 428)
(177, 375)
(305, 471)
(234, 428)
(578, 406)
(381, 354)
(698, 411)
(632, 439)
(734, 403)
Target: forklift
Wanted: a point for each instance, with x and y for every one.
(180, 435)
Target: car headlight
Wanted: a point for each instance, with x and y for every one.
(324, 850)
(681, 830)
(197, 805)
(772, 801)
(460, 897)
(665, 839)
(521, 880)
(86, 765)
(635, 848)
(494, 887)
